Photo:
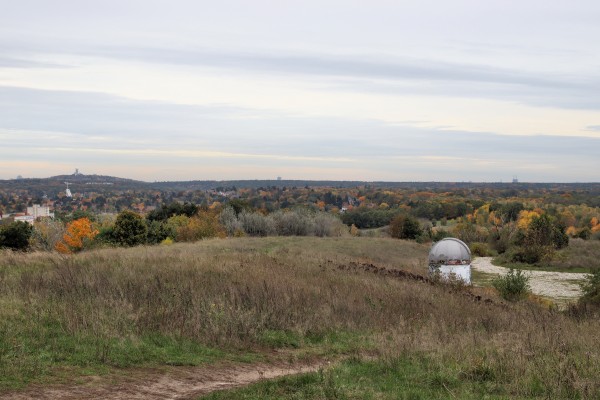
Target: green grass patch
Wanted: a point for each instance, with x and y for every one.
(407, 378)
(41, 351)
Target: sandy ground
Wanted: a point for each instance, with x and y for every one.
(563, 286)
(175, 383)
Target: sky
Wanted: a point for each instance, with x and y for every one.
(325, 90)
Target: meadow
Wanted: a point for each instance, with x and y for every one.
(391, 335)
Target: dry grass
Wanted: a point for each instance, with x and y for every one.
(580, 255)
(240, 292)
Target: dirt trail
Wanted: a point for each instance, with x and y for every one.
(173, 383)
(562, 286)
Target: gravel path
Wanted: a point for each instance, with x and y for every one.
(556, 285)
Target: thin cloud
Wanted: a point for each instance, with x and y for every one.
(365, 72)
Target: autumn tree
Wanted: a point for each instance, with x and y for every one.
(538, 241)
(77, 235)
(205, 224)
(48, 232)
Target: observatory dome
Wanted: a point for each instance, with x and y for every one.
(449, 251)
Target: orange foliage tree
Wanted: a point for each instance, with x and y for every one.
(77, 235)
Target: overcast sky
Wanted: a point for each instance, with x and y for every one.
(343, 90)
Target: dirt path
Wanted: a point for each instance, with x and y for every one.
(562, 286)
(173, 383)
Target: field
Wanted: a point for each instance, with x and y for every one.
(112, 313)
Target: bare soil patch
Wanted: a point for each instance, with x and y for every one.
(562, 286)
(169, 383)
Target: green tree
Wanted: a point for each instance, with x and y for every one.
(543, 235)
(240, 205)
(129, 229)
(167, 211)
(405, 227)
(158, 231)
(16, 235)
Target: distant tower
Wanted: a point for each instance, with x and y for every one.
(515, 179)
(76, 171)
(68, 191)
(278, 178)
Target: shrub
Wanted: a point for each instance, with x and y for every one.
(203, 225)
(437, 235)
(129, 229)
(328, 225)
(469, 232)
(591, 289)
(502, 239)
(256, 224)
(167, 211)
(405, 227)
(46, 234)
(158, 231)
(481, 250)
(16, 235)
(544, 231)
(531, 254)
(283, 223)
(79, 234)
(513, 286)
(293, 223)
(228, 218)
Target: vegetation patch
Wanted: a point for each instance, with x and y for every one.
(184, 304)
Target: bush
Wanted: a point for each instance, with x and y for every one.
(158, 231)
(405, 227)
(203, 225)
(513, 286)
(468, 232)
(481, 250)
(256, 224)
(437, 235)
(293, 223)
(228, 218)
(544, 231)
(531, 254)
(78, 234)
(591, 289)
(16, 235)
(328, 225)
(167, 211)
(129, 229)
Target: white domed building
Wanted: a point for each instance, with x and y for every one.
(451, 259)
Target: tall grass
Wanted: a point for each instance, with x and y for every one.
(255, 293)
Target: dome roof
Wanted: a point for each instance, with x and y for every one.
(449, 249)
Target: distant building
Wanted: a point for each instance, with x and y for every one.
(25, 218)
(39, 211)
(515, 180)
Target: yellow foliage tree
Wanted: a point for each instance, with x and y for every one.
(203, 225)
(78, 233)
(525, 218)
(595, 225)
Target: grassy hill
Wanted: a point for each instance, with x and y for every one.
(395, 334)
